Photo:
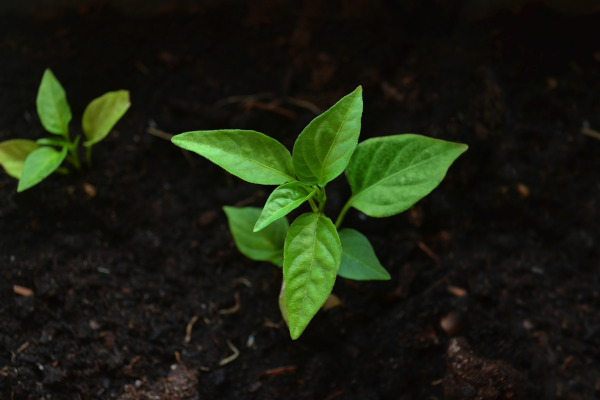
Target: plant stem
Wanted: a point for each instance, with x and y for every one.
(342, 214)
(313, 205)
(322, 197)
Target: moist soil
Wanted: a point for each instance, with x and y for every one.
(123, 282)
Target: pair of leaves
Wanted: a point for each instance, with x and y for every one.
(30, 163)
(320, 154)
(99, 117)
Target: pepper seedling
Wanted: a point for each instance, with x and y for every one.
(33, 161)
(387, 175)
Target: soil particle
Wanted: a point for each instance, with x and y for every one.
(470, 377)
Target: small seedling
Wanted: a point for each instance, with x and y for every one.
(33, 161)
(387, 175)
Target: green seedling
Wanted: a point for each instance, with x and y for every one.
(33, 161)
(387, 175)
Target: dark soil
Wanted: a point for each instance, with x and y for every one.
(136, 281)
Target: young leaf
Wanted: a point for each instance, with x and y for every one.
(249, 155)
(39, 164)
(312, 255)
(266, 245)
(13, 154)
(102, 114)
(389, 174)
(284, 199)
(324, 147)
(52, 106)
(359, 261)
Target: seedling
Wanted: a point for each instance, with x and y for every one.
(387, 175)
(33, 161)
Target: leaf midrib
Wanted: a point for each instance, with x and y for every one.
(252, 160)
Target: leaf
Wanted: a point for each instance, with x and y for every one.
(359, 261)
(101, 115)
(52, 106)
(312, 255)
(13, 154)
(266, 245)
(283, 200)
(39, 165)
(249, 155)
(389, 174)
(282, 305)
(324, 147)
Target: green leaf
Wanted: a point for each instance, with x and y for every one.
(52, 106)
(53, 141)
(389, 174)
(249, 155)
(39, 164)
(13, 154)
(282, 305)
(324, 147)
(312, 256)
(101, 115)
(283, 200)
(359, 261)
(266, 245)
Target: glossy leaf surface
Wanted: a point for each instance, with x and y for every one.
(389, 174)
(324, 147)
(283, 200)
(249, 155)
(359, 261)
(52, 106)
(266, 245)
(39, 165)
(312, 256)
(13, 154)
(101, 115)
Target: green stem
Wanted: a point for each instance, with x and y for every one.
(322, 198)
(340, 218)
(313, 205)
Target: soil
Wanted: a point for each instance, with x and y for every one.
(123, 282)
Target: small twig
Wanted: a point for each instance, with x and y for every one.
(235, 308)
(304, 104)
(430, 253)
(158, 133)
(231, 358)
(290, 369)
(334, 395)
(22, 291)
(188, 329)
(590, 132)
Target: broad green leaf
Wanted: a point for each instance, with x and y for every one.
(359, 261)
(38, 165)
(312, 256)
(102, 114)
(266, 245)
(13, 154)
(283, 200)
(324, 147)
(389, 174)
(52, 106)
(249, 155)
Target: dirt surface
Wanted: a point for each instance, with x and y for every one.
(123, 282)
